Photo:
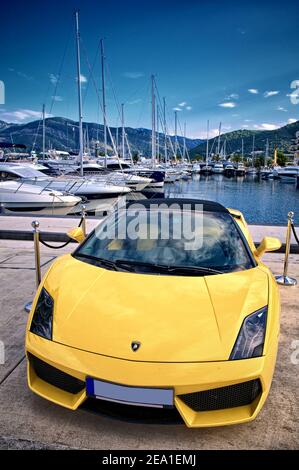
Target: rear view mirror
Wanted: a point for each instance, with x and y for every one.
(76, 234)
(268, 244)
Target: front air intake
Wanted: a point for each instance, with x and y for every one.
(55, 377)
(224, 397)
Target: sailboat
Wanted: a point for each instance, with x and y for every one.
(207, 169)
(265, 171)
(252, 170)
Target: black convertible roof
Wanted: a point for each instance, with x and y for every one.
(208, 206)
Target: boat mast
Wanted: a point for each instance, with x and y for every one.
(242, 151)
(266, 153)
(158, 136)
(184, 145)
(104, 99)
(207, 147)
(153, 123)
(253, 142)
(175, 133)
(44, 132)
(79, 94)
(123, 130)
(218, 145)
(165, 133)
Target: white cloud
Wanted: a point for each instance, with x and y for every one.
(53, 78)
(21, 115)
(188, 108)
(133, 75)
(292, 120)
(248, 120)
(177, 109)
(281, 108)
(182, 104)
(266, 126)
(233, 96)
(228, 104)
(253, 91)
(21, 74)
(245, 126)
(267, 94)
(57, 98)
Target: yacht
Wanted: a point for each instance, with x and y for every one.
(252, 171)
(24, 197)
(91, 189)
(218, 168)
(289, 172)
(196, 168)
(240, 169)
(229, 170)
(95, 172)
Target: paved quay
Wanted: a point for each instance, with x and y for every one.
(29, 422)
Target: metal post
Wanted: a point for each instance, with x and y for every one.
(83, 213)
(38, 277)
(284, 279)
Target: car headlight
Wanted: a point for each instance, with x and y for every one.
(42, 319)
(250, 341)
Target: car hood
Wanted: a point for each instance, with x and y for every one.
(175, 318)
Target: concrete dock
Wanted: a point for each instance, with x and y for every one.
(29, 422)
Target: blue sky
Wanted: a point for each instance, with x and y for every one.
(224, 61)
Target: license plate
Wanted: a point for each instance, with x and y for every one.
(140, 396)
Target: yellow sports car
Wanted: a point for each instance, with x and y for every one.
(166, 306)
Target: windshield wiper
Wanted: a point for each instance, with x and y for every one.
(98, 261)
(162, 267)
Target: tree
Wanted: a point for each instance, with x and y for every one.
(236, 158)
(281, 158)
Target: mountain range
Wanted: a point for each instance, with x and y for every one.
(282, 138)
(62, 134)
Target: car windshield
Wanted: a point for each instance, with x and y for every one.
(168, 242)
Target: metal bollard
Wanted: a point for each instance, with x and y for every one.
(284, 279)
(83, 214)
(38, 277)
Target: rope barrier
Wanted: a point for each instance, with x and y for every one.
(60, 246)
(294, 233)
(54, 247)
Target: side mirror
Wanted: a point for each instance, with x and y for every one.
(76, 234)
(268, 244)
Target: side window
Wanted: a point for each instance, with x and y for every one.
(5, 176)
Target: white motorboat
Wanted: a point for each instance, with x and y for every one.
(92, 189)
(229, 170)
(240, 169)
(196, 168)
(93, 171)
(20, 196)
(289, 172)
(252, 171)
(218, 168)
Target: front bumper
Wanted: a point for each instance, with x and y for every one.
(185, 378)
